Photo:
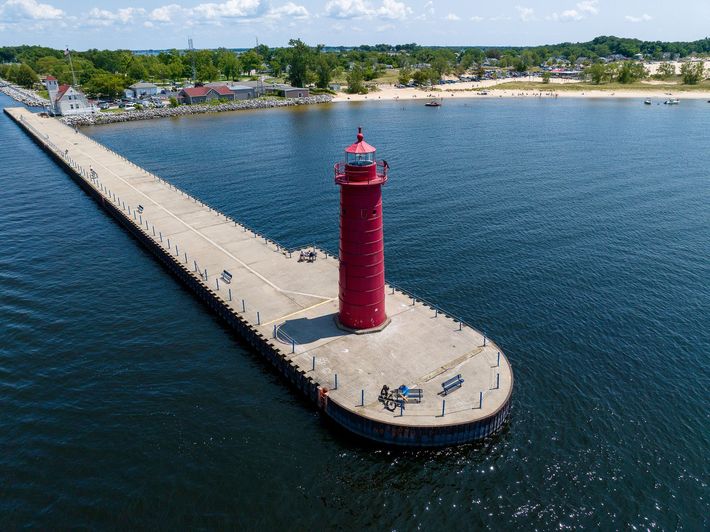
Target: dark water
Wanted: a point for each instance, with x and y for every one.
(575, 232)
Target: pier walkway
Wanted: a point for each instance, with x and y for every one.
(292, 306)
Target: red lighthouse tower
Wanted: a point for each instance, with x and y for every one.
(362, 254)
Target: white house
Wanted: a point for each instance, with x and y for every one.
(66, 100)
(139, 90)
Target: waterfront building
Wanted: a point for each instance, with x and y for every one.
(66, 100)
(204, 94)
(139, 90)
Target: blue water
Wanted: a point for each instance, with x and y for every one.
(576, 233)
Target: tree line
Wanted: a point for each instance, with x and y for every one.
(108, 72)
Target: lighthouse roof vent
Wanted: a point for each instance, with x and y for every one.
(360, 146)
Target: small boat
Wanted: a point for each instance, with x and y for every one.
(672, 101)
(647, 101)
(433, 103)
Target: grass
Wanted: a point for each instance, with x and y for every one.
(391, 75)
(585, 86)
(43, 93)
(116, 110)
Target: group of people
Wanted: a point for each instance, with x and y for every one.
(307, 256)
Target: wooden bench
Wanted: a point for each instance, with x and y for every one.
(451, 384)
(226, 276)
(140, 209)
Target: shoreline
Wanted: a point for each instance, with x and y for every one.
(185, 110)
(495, 89)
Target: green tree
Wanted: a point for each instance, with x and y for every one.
(228, 63)
(250, 60)
(597, 72)
(173, 101)
(404, 76)
(546, 77)
(299, 58)
(665, 71)
(692, 73)
(355, 80)
(207, 72)
(325, 64)
(105, 84)
(25, 76)
(631, 71)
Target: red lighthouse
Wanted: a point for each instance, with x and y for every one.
(362, 254)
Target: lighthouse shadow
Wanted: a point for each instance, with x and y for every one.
(307, 330)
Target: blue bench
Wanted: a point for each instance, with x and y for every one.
(226, 276)
(140, 209)
(411, 394)
(451, 384)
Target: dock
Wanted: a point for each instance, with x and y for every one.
(284, 307)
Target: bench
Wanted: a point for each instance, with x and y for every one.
(451, 384)
(415, 395)
(411, 395)
(226, 276)
(140, 209)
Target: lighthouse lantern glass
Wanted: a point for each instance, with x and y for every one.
(360, 159)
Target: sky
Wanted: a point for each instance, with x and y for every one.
(159, 24)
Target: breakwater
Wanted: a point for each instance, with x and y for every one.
(185, 110)
(22, 95)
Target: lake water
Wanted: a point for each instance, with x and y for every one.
(576, 233)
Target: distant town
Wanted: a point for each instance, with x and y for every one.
(68, 82)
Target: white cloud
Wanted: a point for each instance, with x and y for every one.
(166, 13)
(290, 10)
(390, 9)
(228, 9)
(104, 17)
(526, 14)
(476, 18)
(452, 17)
(582, 10)
(19, 10)
(643, 18)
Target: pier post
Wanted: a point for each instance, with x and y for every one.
(217, 281)
(313, 363)
(161, 236)
(230, 294)
(336, 382)
(362, 397)
(484, 339)
(401, 407)
(480, 400)
(258, 318)
(460, 325)
(169, 246)
(185, 258)
(244, 306)
(443, 408)
(293, 346)
(195, 265)
(498, 362)
(274, 330)
(497, 381)
(177, 251)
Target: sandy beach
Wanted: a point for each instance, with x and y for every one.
(494, 90)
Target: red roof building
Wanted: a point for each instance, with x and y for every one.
(192, 95)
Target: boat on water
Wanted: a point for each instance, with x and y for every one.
(647, 101)
(672, 101)
(433, 103)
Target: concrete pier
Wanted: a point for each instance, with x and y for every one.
(285, 308)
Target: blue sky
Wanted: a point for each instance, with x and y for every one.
(83, 24)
